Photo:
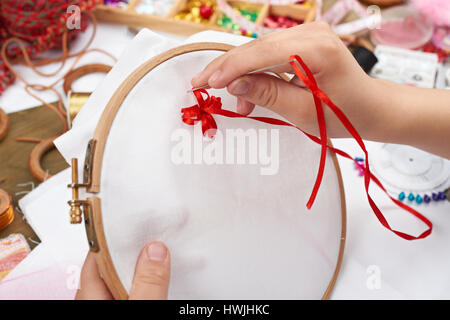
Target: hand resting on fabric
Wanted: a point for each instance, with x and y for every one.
(379, 110)
(151, 278)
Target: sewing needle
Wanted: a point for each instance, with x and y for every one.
(251, 72)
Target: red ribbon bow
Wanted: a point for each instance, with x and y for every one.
(211, 105)
(202, 112)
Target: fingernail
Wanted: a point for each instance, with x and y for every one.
(239, 87)
(157, 252)
(196, 77)
(214, 77)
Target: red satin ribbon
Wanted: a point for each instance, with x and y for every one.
(212, 105)
(202, 112)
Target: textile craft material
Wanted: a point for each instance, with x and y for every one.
(219, 250)
(59, 110)
(45, 145)
(212, 105)
(51, 270)
(44, 274)
(144, 114)
(13, 250)
(76, 100)
(42, 25)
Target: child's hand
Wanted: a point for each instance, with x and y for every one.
(336, 71)
(151, 277)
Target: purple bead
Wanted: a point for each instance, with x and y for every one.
(426, 198)
(442, 196)
(435, 196)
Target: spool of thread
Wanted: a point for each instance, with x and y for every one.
(365, 58)
(76, 102)
(6, 210)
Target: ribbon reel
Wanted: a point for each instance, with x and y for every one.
(6, 210)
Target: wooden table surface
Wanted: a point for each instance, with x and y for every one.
(15, 177)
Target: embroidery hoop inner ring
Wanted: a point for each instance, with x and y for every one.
(93, 213)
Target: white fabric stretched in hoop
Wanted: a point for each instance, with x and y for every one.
(233, 233)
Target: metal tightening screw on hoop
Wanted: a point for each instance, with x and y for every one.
(77, 205)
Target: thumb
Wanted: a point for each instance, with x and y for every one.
(152, 274)
(287, 99)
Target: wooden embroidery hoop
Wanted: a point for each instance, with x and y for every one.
(91, 207)
(4, 124)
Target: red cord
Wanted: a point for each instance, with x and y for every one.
(41, 24)
(212, 105)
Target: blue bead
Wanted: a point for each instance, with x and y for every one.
(359, 159)
(442, 196)
(411, 197)
(419, 199)
(401, 196)
(426, 198)
(435, 196)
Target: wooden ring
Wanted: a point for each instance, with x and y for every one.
(77, 73)
(102, 256)
(4, 124)
(36, 155)
(6, 209)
